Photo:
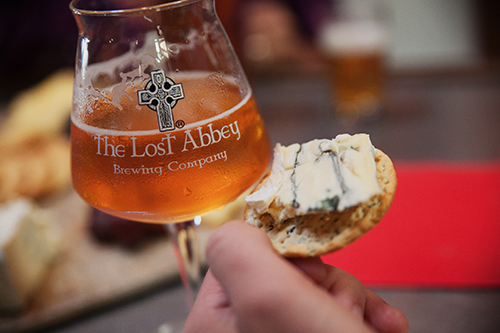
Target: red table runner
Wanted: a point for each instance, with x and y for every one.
(442, 230)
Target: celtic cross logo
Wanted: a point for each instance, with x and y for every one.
(161, 95)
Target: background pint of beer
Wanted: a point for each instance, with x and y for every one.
(355, 49)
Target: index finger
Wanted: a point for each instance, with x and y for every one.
(346, 288)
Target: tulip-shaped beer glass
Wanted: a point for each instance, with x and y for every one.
(164, 124)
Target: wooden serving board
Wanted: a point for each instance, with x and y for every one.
(88, 275)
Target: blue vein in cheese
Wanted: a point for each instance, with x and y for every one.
(320, 175)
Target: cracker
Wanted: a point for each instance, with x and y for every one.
(321, 233)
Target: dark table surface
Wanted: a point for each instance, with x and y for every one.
(440, 116)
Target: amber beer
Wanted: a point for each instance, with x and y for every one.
(150, 176)
(356, 56)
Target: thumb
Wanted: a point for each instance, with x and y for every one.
(266, 291)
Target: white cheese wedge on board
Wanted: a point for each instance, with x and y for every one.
(28, 245)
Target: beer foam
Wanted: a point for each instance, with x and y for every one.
(102, 131)
(359, 37)
(130, 67)
(139, 59)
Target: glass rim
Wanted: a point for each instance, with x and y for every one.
(127, 11)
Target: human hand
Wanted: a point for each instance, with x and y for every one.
(250, 288)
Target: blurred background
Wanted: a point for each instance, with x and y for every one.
(434, 108)
(272, 37)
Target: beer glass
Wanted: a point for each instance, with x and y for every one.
(355, 46)
(164, 124)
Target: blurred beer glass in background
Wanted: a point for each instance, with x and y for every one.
(355, 44)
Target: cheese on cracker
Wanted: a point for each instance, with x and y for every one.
(318, 176)
(322, 195)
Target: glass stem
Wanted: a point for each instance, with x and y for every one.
(187, 253)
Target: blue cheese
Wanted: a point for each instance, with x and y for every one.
(318, 176)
